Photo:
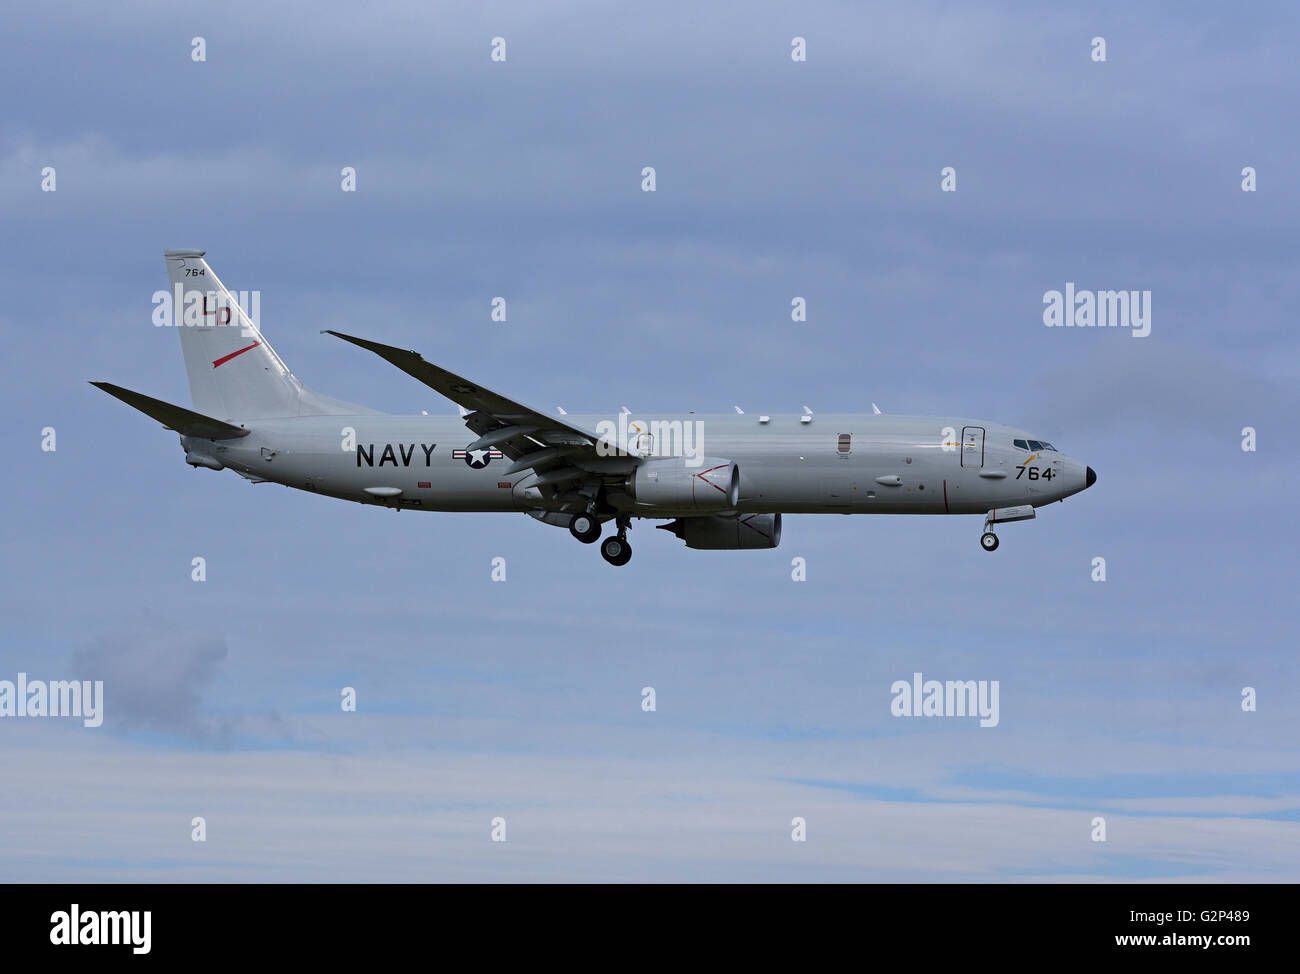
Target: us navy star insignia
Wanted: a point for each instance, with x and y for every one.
(476, 459)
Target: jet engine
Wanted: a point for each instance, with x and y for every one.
(672, 485)
(741, 531)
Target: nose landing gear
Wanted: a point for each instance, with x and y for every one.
(1001, 515)
(989, 540)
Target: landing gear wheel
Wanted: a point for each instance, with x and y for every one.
(585, 527)
(989, 541)
(616, 550)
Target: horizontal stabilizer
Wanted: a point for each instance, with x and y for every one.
(183, 421)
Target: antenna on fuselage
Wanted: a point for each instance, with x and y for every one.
(875, 409)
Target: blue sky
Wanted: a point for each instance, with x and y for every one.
(522, 699)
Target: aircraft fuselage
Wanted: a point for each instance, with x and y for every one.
(845, 464)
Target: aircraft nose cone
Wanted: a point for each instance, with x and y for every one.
(1092, 478)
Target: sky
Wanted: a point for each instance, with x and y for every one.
(522, 699)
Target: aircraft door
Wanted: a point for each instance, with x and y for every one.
(972, 446)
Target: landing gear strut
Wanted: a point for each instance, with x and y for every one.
(615, 549)
(989, 540)
(585, 527)
(1002, 515)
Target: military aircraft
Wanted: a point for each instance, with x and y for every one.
(722, 482)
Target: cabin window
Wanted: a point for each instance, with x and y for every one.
(845, 443)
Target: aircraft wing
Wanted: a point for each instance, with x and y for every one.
(556, 449)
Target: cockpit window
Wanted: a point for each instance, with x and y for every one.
(1038, 446)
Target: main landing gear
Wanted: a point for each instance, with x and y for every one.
(614, 549)
(585, 527)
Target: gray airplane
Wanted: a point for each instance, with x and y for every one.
(722, 482)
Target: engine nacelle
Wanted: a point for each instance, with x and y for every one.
(671, 485)
(743, 532)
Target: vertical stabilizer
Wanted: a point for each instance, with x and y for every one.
(234, 373)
